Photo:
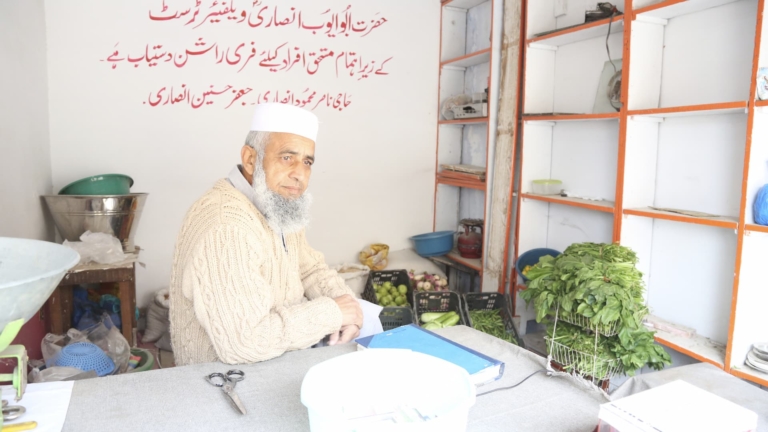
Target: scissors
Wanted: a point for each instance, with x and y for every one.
(12, 412)
(227, 384)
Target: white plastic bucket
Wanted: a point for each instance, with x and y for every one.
(356, 391)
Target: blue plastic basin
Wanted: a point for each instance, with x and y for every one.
(434, 243)
(531, 258)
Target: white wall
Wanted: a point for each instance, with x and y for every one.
(25, 164)
(374, 176)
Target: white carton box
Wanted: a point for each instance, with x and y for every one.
(675, 407)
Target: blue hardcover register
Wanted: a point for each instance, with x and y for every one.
(481, 368)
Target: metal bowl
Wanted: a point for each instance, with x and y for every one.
(117, 215)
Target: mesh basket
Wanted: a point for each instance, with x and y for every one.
(86, 356)
(493, 301)
(437, 301)
(391, 316)
(583, 322)
(589, 366)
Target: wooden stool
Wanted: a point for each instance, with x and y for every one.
(60, 302)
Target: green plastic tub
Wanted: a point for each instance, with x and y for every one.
(147, 361)
(102, 184)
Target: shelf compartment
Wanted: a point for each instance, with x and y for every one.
(674, 8)
(692, 110)
(580, 33)
(473, 263)
(461, 122)
(756, 228)
(698, 347)
(721, 222)
(463, 4)
(749, 374)
(571, 117)
(601, 206)
(472, 59)
(478, 185)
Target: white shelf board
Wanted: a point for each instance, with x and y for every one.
(577, 34)
(676, 9)
(603, 206)
(473, 263)
(692, 110)
(722, 221)
(698, 347)
(754, 374)
(464, 4)
(472, 59)
(556, 117)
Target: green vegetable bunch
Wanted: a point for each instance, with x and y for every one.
(490, 322)
(598, 283)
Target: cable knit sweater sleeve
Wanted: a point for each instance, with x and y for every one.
(239, 309)
(318, 279)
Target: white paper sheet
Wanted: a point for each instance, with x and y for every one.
(371, 322)
(46, 404)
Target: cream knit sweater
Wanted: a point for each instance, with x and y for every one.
(237, 296)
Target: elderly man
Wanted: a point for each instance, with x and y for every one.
(245, 285)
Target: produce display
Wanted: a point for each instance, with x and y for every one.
(490, 322)
(428, 282)
(436, 320)
(389, 295)
(599, 284)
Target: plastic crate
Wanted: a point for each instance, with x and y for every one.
(437, 301)
(394, 317)
(391, 316)
(493, 301)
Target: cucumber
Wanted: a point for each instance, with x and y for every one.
(431, 316)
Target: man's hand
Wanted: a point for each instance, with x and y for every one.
(346, 334)
(351, 313)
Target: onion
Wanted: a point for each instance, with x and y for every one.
(420, 285)
(427, 286)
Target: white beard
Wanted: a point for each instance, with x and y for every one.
(286, 215)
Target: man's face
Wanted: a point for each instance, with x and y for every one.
(288, 161)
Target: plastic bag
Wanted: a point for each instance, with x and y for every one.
(760, 207)
(158, 322)
(97, 247)
(375, 256)
(104, 334)
(354, 275)
(55, 373)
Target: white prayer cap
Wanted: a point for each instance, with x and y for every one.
(278, 117)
